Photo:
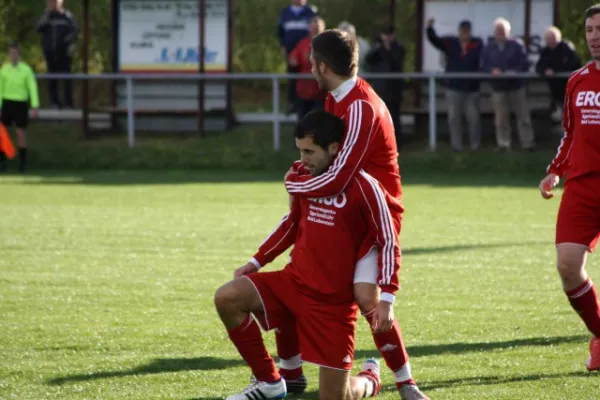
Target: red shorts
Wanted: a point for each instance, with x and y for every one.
(579, 213)
(325, 331)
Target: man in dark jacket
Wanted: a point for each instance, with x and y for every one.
(291, 29)
(501, 57)
(59, 33)
(386, 56)
(463, 53)
(557, 56)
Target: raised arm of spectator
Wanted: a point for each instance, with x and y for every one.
(435, 40)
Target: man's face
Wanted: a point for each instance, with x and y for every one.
(550, 39)
(53, 5)
(500, 32)
(316, 26)
(13, 55)
(464, 33)
(314, 158)
(317, 70)
(298, 2)
(592, 35)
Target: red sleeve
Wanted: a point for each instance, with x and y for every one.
(560, 164)
(381, 227)
(281, 238)
(295, 54)
(359, 122)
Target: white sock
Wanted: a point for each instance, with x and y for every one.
(403, 374)
(291, 363)
(369, 388)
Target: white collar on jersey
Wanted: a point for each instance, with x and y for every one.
(343, 90)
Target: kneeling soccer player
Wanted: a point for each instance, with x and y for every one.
(315, 290)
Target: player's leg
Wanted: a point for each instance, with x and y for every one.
(390, 344)
(518, 101)
(577, 232)
(473, 114)
(336, 384)
(455, 118)
(21, 121)
(290, 358)
(235, 301)
(501, 119)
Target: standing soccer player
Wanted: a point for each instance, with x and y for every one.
(578, 223)
(369, 144)
(18, 88)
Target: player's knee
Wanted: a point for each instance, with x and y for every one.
(226, 296)
(570, 262)
(366, 296)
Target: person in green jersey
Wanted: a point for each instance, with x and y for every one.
(18, 89)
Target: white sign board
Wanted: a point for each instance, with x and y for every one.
(482, 13)
(163, 36)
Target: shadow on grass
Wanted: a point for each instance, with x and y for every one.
(158, 366)
(463, 348)
(498, 380)
(415, 251)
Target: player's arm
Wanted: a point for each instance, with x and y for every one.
(281, 239)
(359, 121)
(1, 84)
(32, 89)
(560, 164)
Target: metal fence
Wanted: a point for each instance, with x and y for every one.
(431, 77)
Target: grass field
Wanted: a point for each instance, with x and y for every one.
(106, 285)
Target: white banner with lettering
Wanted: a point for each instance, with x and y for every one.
(163, 36)
(482, 13)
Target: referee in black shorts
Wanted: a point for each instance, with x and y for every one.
(18, 89)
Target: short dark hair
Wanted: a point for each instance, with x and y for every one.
(593, 10)
(337, 49)
(323, 127)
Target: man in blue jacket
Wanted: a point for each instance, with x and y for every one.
(505, 56)
(462, 54)
(291, 29)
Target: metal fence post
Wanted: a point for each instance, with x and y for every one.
(276, 121)
(432, 114)
(130, 113)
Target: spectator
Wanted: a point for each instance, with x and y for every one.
(309, 95)
(387, 55)
(363, 44)
(59, 34)
(557, 56)
(292, 28)
(462, 54)
(505, 56)
(18, 88)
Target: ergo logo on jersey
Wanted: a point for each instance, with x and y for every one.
(588, 99)
(338, 202)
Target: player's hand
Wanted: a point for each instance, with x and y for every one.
(383, 317)
(245, 270)
(430, 22)
(34, 113)
(293, 61)
(547, 184)
(549, 72)
(496, 71)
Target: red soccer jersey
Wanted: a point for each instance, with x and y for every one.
(331, 234)
(579, 150)
(369, 144)
(307, 89)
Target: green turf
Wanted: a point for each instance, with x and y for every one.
(106, 285)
